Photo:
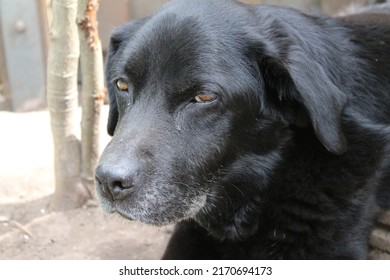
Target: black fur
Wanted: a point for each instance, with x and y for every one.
(289, 160)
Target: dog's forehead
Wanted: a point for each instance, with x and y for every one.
(172, 48)
(186, 43)
(168, 45)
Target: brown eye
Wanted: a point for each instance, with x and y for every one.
(122, 85)
(204, 98)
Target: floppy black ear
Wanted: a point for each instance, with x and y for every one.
(119, 39)
(302, 80)
(113, 115)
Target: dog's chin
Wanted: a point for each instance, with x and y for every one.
(152, 215)
(123, 215)
(162, 219)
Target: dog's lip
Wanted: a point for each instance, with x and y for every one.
(115, 210)
(122, 214)
(111, 207)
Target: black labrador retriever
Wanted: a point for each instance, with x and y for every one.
(264, 133)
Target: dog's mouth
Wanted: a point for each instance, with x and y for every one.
(153, 208)
(123, 215)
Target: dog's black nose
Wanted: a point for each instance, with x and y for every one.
(114, 181)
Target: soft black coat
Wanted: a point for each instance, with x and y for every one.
(264, 133)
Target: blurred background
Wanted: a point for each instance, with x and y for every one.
(24, 26)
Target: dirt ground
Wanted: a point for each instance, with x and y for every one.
(29, 231)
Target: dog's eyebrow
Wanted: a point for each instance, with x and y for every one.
(119, 77)
(128, 72)
(185, 88)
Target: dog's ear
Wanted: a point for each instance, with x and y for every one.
(302, 87)
(119, 39)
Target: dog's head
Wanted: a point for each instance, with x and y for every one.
(199, 92)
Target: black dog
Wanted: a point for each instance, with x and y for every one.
(263, 132)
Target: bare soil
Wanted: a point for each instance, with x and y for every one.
(29, 231)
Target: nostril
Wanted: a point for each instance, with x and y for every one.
(102, 186)
(120, 188)
(117, 184)
(115, 181)
(123, 184)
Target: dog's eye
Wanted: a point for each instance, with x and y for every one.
(122, 85)
(204, 98)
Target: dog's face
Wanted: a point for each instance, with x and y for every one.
(190, 103)
(183, 110)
